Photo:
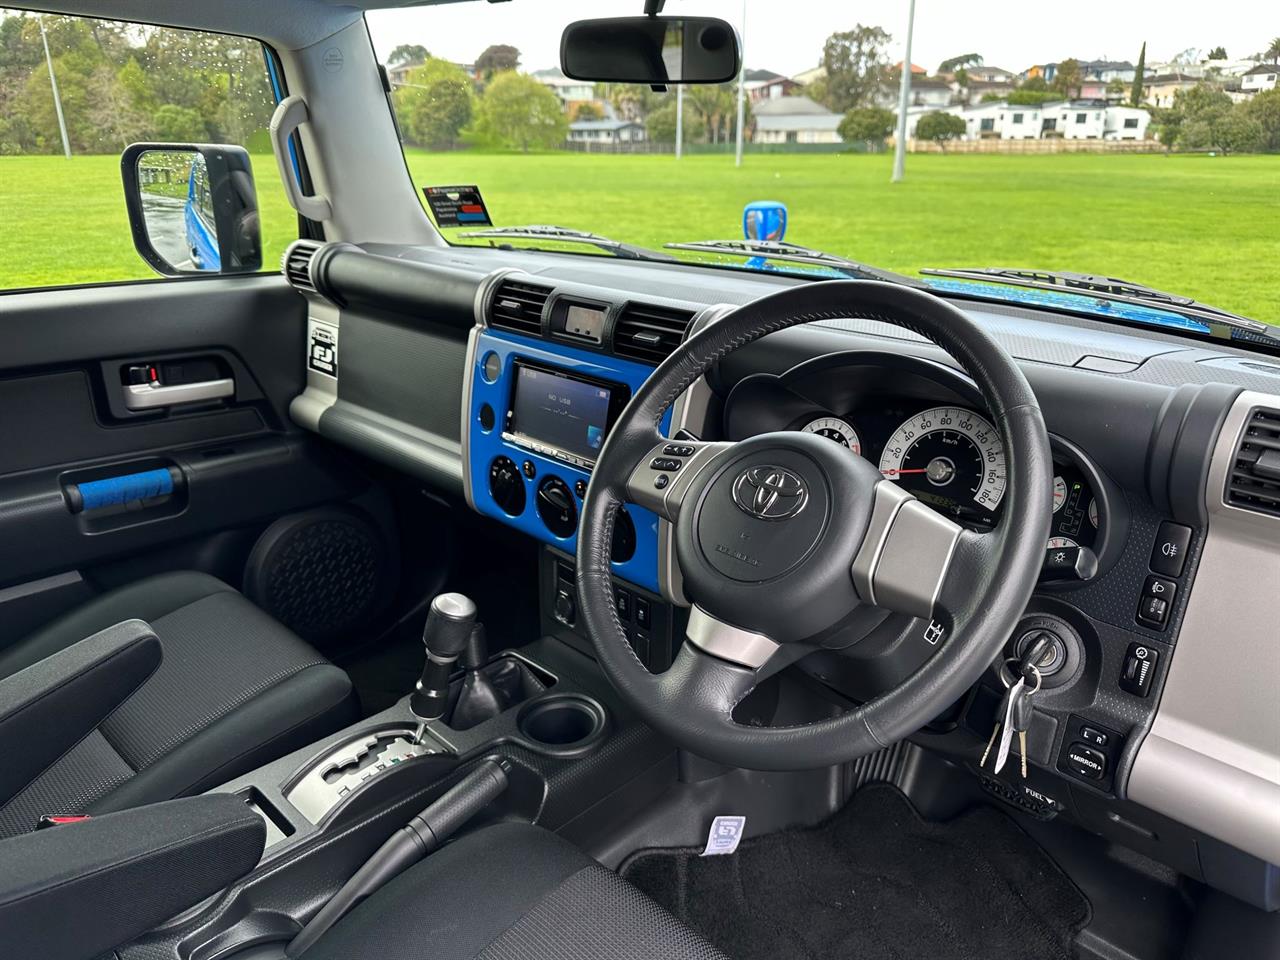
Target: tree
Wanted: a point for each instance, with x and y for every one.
(940, 127)
(857, 67)
(660, 124)
(1193, 120)
(1272, 53)
(1218, 53)
(408, 53)
(1115, 90)
(962, 77)
(630, 101)
(497, 58)
(172, 122)
(953, 64)
(435, 103)
(588, 111)
(1264, 109)
(1139, 76)
(521, 113)
(1068, 78)
(715, 106)
(867, 123)
(1026, 97)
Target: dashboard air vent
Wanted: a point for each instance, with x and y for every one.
(297, 265)
(518, 306)
(1254, 482)
(648, 333)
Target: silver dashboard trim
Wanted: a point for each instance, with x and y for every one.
(1212, 757)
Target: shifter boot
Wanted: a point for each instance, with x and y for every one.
(478, 701)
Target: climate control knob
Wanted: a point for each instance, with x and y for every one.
(506, 486)
(556, 506)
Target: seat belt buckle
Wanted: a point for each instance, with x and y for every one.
(58, 819)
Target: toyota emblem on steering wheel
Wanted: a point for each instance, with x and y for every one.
(770, 493)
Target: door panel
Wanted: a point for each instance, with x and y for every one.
(91, 488)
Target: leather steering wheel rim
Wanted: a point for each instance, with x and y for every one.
(986, 581)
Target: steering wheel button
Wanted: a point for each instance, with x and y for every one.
(661, 481)
(664, 463)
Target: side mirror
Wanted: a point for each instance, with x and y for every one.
(192, 207)
(652, 50)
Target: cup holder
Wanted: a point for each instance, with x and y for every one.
(564, 724)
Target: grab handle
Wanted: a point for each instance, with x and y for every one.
(128, 488)
(290, 114)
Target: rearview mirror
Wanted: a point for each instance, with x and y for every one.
(653, 50)
(192, 207)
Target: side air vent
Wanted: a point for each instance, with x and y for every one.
(297, 264)
(518, 306)
(648, 333)
(1254, 482)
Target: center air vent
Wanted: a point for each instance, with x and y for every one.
(297, 264)
(649, 333)
(518, 306)
(1254, 482)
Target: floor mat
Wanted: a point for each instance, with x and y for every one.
(874, 881)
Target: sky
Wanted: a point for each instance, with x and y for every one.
(787, 35)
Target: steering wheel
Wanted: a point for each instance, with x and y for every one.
(782, 537)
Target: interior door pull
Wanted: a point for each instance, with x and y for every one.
(151, 396)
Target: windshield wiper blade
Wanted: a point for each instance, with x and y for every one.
(1107, 288)
(542, 231)
(794, 253)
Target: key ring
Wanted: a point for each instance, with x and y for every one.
(1031, 666)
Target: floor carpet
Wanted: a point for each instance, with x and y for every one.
(874, 881)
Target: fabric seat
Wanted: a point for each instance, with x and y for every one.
(234, 690)
(510, 892)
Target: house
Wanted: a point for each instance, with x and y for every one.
(606, 131)
(766, 85)
(1125, 123)
(1081, 119)
(1019, 122)
(916, 70)
(930, 92)
(570, 92)
(1262, 77)
(794, 120)
(979, 90)
(984, 74)
(1159, 91)
(1044, 71)
(1105, 71)
(984, 121)
(808, 76)
(399, 74)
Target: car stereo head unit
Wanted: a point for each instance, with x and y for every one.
(560, 414)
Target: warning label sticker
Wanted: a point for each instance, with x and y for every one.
(322, 355)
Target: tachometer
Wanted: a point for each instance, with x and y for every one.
(1059, 493)
(833, 428)
(949, 457)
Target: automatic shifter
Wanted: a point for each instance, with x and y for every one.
(445, 637)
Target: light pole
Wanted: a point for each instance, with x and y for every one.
(904, 96)
(679, 120)
(57, 100)
(742, 90)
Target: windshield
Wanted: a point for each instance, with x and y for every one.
(1135, 141)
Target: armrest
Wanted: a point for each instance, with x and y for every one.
(52, 705)
(81, 889)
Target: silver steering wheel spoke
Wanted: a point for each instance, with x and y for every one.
(662, 479)
(906, 555)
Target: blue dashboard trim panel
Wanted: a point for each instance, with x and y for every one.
(485, 446)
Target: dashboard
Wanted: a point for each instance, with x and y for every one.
(1160, 569)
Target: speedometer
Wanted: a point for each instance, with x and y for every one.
(950, 458)
(833, 428)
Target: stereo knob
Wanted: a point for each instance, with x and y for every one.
(506, 486)
(556, 507)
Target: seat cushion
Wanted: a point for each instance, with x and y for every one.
(234, 689)
(510, 892)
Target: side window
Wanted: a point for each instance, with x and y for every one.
(68, 109)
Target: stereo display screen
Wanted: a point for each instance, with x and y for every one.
(568, 414)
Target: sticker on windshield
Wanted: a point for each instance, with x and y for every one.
(457, 206)
(724, 836)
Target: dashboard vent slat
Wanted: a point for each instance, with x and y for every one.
(1253, 482)
(517, 306)
(649, 333)
(297, 265)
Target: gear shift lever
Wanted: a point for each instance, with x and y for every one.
(445, 637)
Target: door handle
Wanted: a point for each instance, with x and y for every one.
(151, 396)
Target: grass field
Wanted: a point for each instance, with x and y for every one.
(1202, 226)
